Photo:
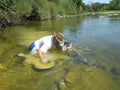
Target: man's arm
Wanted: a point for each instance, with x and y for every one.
(41, 56)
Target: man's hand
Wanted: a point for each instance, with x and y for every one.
(41, 56)
(43, 59)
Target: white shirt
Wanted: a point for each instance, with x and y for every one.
(45, 43)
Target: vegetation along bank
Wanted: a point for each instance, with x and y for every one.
(14, 12)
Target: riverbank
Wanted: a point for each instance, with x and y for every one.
(10, 21)
(109, 13)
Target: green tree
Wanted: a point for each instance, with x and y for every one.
(19, 11)
(105, 7)
(88, 8)
(55, 1)
(78, 4)
(96, 6)
(115, 5)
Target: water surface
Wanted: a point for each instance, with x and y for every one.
(96, 39)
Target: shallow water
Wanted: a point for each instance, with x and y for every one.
(96, 39)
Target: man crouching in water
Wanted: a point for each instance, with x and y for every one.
(41, 46)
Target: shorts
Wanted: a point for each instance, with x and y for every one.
(32, 48)
(34, 51)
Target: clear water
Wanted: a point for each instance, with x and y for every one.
(97, 39)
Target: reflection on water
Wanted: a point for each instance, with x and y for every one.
(96, 39)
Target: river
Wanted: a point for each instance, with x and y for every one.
(96, 39)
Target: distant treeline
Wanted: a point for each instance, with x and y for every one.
(14, 12)
(93, 7)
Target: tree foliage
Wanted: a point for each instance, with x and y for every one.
(115, 5)
(78, 4)
(17, 11)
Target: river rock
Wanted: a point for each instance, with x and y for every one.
(73, 74)
(97, 79)
(35, 61)
(31, 60)
(62, 85)
(2, 66)
(115, 71)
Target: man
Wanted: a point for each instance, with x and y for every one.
(41, 46)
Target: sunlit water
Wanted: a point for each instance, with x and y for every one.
(96, 39)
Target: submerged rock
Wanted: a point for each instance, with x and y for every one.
(62, 85)
(93, 63)
(85, 61)
(89, 69)
(2, 66)
(100, 66)
(85, 78)
(37, 64)
(115, 71)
